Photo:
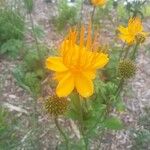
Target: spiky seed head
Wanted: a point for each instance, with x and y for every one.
(56, 106)
(126, 69)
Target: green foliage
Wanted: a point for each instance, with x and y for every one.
(146, 11)
(105, 92)
(135, 8)
(132, 9)
(67, 15)
(145, 119)
(38, 31)
(19, 74)
(11, 32)
(29, 5)
(9, 138)
(12, 47)
(141, 140)
(111, 69)
(141, 137)
(121, 12)
(11, 25)
(113, 123)
(31, 72)
(31, 80)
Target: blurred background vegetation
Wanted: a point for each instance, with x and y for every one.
(22, 39)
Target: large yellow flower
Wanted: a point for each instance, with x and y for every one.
(130, 33)
(98, 2)
(77, 64)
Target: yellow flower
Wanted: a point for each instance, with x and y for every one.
(129, 34)
(98, 2)
(77, 63)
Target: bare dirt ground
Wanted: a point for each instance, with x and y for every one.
(18, 101)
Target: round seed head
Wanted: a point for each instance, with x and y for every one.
(56, 106)
(126, 69)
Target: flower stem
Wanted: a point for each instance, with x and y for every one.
(122, 50)
(35, 38)
(120, 86)
(78, 107)
(81, 12)
(92, 15)
(81, 122)
(134, 51)
(126, 52)
(62, 133)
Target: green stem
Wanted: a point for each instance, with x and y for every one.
(93, 12)
(126, 52)
(134, 51)
(36, 40)
(78, 107)
(81, 12)
(62, 133)
(121, 52)
(120, 86)
(81, 122)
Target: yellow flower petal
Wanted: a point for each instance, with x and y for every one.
(123, 30)
(65, 86)
(100, 61)
(60, 75)
(91, 74)
(84, 86)
(98, 2)
(127, 38)
(55, 64)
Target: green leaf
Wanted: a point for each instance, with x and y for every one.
(19, 76)
(113, 123)
(11, 47)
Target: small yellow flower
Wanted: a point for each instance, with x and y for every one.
(77, 63)
(98, 2)
(129, 34)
